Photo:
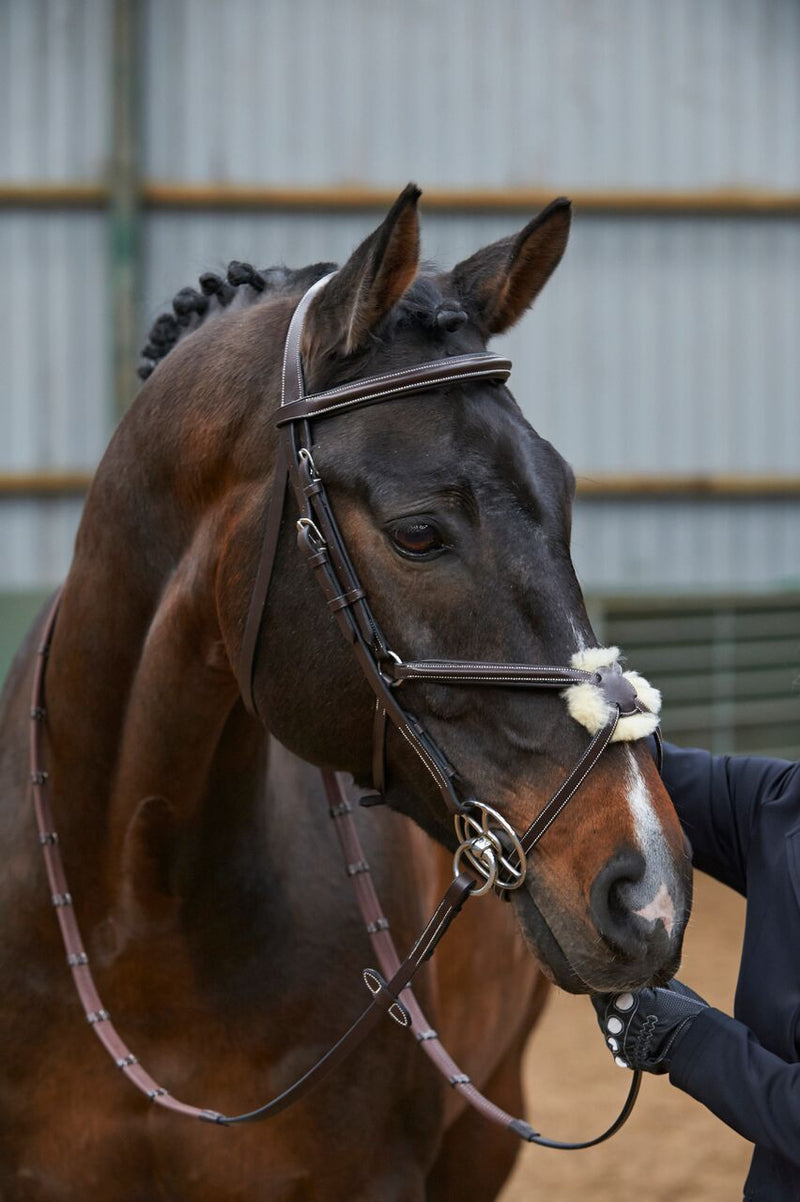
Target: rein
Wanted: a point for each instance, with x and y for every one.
(490, 854)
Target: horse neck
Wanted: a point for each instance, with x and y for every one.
(144, 722)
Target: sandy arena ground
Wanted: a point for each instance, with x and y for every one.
(672, 1149)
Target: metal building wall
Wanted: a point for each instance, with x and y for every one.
(659, 344)
(623, 93)
(665, 343)
(54, 89)
(54, 378)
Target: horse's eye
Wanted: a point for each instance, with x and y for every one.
(417, 539)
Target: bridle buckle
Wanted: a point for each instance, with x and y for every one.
(383, 655)
(309, 528)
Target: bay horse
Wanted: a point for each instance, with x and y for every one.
(215, 912)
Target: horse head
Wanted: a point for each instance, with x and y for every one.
(456, 515)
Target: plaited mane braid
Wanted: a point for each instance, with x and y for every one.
(244, 284)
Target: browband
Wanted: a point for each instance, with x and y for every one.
(399, 383)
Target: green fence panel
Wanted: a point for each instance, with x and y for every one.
(728, 667)
(17, 611)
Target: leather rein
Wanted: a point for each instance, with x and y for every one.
(490, 854)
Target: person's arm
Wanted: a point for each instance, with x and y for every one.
(717, 799)
(720, 1062)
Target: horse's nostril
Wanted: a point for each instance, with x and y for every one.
(616, 894)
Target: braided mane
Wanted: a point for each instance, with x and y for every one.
(244, 285)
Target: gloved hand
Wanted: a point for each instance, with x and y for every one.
(643, 1029)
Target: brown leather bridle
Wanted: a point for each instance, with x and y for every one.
(494, 855)
(320, 539)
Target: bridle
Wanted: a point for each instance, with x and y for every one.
(320, 539)
(487, 843)
(490, 854)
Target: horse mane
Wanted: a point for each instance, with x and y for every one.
(243, 286)
(246, 285)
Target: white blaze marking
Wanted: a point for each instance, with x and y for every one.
(646, 825)
(579, 639)
(649, 835)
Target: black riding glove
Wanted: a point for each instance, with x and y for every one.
(643, 1029)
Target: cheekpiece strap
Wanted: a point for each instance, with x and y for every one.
(296, 407)
(293, 384)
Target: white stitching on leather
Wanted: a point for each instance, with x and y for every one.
(313, 290)
(411, 739)
(476, 677)
(437, 672)
(372, 396)
(421, 665)
(456, 362)
(436, 378)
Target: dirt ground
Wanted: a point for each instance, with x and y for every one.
(672, 1149)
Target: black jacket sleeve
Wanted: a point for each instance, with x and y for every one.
(721, 1064)
(717, 799)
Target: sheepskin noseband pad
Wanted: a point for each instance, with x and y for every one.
(592, 703)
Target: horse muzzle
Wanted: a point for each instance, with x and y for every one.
(640, 916)
(629, 935)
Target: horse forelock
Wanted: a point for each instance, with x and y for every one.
(429, 303)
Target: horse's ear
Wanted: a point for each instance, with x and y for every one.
(372, 280)
(498, 283)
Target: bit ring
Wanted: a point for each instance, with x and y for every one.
(490, 847)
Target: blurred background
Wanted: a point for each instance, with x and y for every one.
(145, 141)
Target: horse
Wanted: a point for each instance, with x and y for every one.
(202, 870)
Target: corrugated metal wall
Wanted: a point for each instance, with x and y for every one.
(462, 92)
(659, 345)
(54, 89)
(664, 343)
(661, 546)
(53, 340)
(55, 407)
